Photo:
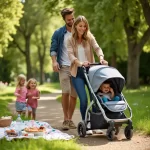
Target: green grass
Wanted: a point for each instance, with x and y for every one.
(140, 105)
(39, 144)
(49, 88)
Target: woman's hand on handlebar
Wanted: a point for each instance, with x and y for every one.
(103, 62)
(86, 64)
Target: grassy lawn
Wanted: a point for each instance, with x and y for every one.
(140, 105)
(38, 144)
(7, 96)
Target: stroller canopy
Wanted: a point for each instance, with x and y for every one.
(99, 74)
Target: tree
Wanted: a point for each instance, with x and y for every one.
(115, 19)
(10, 14)
(33, 16)
(42, 43)
(137, 36)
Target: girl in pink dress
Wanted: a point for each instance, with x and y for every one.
(33, 94)
(20, 93)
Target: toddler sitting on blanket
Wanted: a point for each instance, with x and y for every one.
(107, 93)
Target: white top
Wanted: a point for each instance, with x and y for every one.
(64, 57)
(81, 53)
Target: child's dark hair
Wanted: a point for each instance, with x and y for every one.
(107, 82)
(66, 11)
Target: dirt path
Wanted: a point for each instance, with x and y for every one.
(50, 110)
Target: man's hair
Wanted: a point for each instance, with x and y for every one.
(66, 11)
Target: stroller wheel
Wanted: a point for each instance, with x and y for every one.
(128, 132)
(110, 134)
(81, 129)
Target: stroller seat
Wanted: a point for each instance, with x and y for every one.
(114, 106)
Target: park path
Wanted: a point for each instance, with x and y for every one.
(50, 110)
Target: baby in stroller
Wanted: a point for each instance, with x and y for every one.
(107, 92)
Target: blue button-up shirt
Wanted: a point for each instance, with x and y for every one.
(57, 43)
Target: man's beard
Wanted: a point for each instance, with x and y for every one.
(69, 25)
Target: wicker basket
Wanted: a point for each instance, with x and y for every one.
(5, 121)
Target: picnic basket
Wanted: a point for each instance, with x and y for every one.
(5, 121)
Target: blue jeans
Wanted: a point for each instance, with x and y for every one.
(79, 83)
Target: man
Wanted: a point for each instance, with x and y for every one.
(61, 64)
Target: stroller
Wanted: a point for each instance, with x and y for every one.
(110, 114)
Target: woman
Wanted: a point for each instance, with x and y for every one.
(80, 53)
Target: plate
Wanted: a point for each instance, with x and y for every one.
(36, 133)
(34, 130)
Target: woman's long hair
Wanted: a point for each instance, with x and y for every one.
(86, 36)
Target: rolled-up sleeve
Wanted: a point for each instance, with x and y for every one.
(54, 44)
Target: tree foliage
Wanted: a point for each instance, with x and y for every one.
(34, 14)
(54, 6)
(10, 14)
(123, 26)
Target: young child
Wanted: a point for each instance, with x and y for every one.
(20, 93)
(33, 94)
(107, 93)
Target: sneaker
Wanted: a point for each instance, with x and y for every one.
(65, 125)
(72, 125)
(89, 132)
(97, 131)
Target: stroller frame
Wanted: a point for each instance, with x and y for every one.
(110, 133)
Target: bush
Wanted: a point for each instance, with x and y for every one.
(54, 76)
(3, 85)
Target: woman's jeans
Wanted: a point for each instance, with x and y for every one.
(79, 83)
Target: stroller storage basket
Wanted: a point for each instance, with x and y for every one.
(98, 121)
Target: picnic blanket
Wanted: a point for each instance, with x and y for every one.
(49, 134)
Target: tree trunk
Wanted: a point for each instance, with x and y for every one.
(113, 60)
(133, 70)
(27, 55)
(41, 72)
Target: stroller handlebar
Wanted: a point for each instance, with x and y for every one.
(94, 64)
(91, 64)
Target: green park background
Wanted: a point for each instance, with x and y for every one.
(121, 28)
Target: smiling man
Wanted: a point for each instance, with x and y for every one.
(61, 64)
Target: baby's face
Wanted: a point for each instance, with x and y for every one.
(105, 88)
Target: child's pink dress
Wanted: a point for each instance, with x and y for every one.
(23, 92)
(21, 100)
(32, 102)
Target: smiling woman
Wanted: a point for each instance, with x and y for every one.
(80, 50)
